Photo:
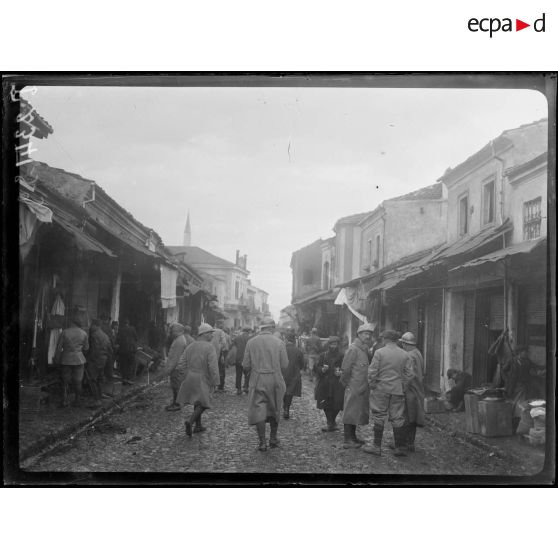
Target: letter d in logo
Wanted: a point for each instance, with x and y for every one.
(538, 25)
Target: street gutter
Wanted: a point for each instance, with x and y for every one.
(42, 447)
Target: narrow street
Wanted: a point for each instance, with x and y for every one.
(143, 437)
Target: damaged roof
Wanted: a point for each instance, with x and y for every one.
(504, 141)
(432, 192)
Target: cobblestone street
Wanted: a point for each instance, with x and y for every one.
(143, 437)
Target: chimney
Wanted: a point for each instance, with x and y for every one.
(237, 257)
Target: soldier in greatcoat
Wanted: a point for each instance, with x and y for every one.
(389, 375)
(176, 374)
(414, 394)
(199, 361)
(100, 348)
(354, 377)
(265, 358)
(73, 342)
(292, 377)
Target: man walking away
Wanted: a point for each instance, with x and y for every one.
(127, 341)
(220, 343)
(414, 395)
(178, 345)
(199, 363)
(354, 369)
(388, 378)
(240, 344)
(99, 351)
(329, 391)
(266, 359)
(291, 375)
(73, 342)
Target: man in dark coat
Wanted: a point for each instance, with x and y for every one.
(99, 351)
(127, 341)
(291, 375)
(329, 392)
(240, 344)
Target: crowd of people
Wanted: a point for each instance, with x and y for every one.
(377, 378)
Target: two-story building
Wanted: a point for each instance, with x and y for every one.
(383, 242)
(490, 273)
(313, 294)
(498, 193)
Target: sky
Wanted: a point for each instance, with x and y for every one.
(266, 170)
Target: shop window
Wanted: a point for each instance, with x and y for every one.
(307, 277)
(464, 215)
(488, 202)
(532, 219)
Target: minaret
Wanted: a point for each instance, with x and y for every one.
(187, 232)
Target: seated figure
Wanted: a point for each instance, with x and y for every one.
(461, 383)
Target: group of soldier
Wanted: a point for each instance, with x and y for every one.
(381, 377)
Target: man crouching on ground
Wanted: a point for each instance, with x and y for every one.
(266, 359)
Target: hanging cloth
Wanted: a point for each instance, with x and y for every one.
(342, 299)
(168, 286)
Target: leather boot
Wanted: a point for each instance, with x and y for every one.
(376, 448)
(411, 433)
(400, 435)
(199, 428)
(273, 440)
(357, 440)
(260, 428)
(348, 434)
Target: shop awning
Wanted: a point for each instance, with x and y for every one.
(469, 244)
(522, 248)
(137, 247)
(320, 296)
(82, 239)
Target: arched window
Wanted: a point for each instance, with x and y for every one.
(325, 277)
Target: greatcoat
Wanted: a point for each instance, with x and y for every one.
(291, 375)
(355, 379)
(414, 395)
(199, 362)
(265, 357)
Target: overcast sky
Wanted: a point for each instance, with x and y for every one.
(266, 170)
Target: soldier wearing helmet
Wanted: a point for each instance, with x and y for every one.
(354, 378)
(265, 358)
(389, 375)
(414, 395)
